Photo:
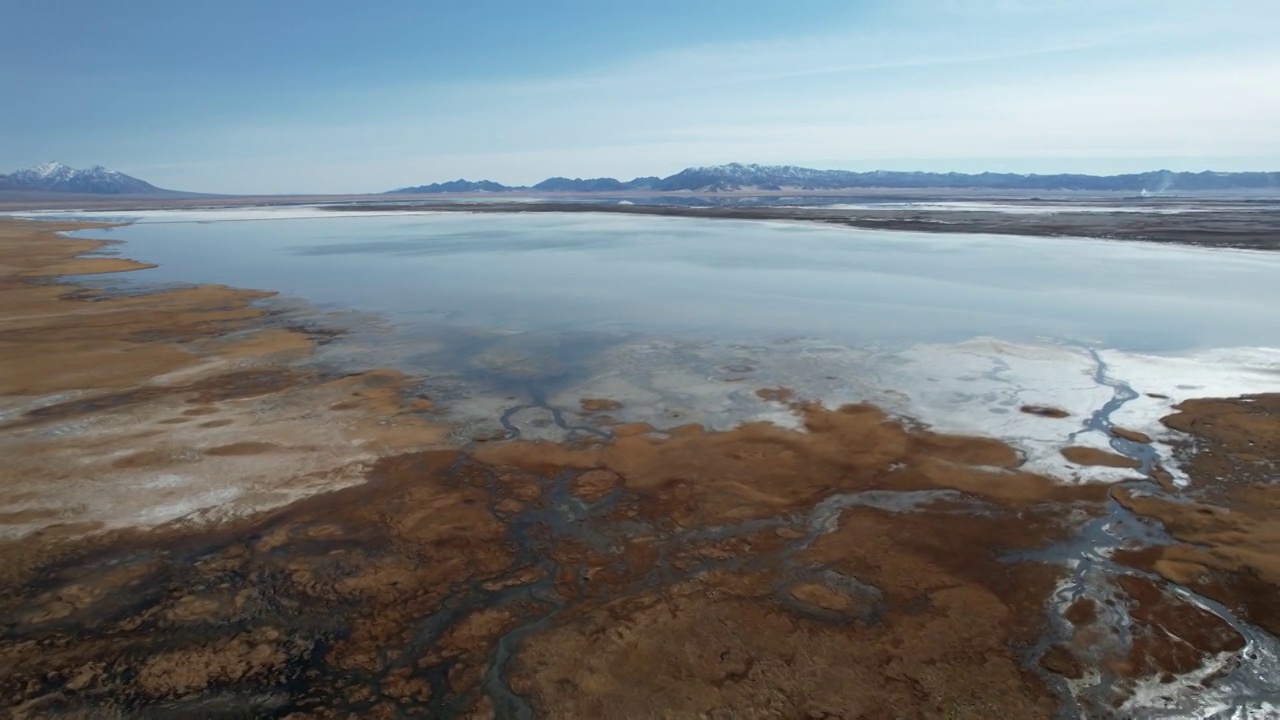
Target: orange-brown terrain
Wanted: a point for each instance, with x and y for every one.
(196, 523)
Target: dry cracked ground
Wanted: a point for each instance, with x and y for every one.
(197, 523)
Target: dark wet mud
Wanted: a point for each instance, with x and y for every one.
(1249, 225)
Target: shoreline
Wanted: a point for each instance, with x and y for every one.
(1246, 230)
(375, 566)
(1239, 222)
(184, 366)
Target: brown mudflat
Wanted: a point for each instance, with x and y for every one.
(594, 405)
(1132, 435)
(1097, 458)
(352, 564)
(131, 410)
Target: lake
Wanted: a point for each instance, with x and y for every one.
(683, 319)
(727, 279)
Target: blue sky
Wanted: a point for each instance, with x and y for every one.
(336, 96)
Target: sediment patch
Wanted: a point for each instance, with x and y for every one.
(1045, 411)
(1098, 458)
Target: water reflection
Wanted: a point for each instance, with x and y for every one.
(732, 279)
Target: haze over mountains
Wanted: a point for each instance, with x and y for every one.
(739, 177)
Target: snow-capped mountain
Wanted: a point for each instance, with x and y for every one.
(737, 176)
(56, 177)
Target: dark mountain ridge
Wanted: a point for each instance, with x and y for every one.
(737, 177)
(560, 184)
(456, 186)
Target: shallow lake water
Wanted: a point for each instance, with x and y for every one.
(729, 279)
(684, 319)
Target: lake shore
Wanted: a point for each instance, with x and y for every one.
(195, 521)
(1205, 219)
(1242, 227)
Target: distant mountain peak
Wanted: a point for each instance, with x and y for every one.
(54, 176)
(47, 169)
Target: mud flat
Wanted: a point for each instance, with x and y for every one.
(122, 410)
(196, 522)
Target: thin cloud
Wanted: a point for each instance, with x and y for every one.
(924, 85)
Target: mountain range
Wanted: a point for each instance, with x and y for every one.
(55, 177)
(739, 177)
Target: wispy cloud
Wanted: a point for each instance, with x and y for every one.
(934, 83)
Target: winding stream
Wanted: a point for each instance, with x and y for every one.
(1239, 682)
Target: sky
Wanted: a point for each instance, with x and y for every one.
(333, 96)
